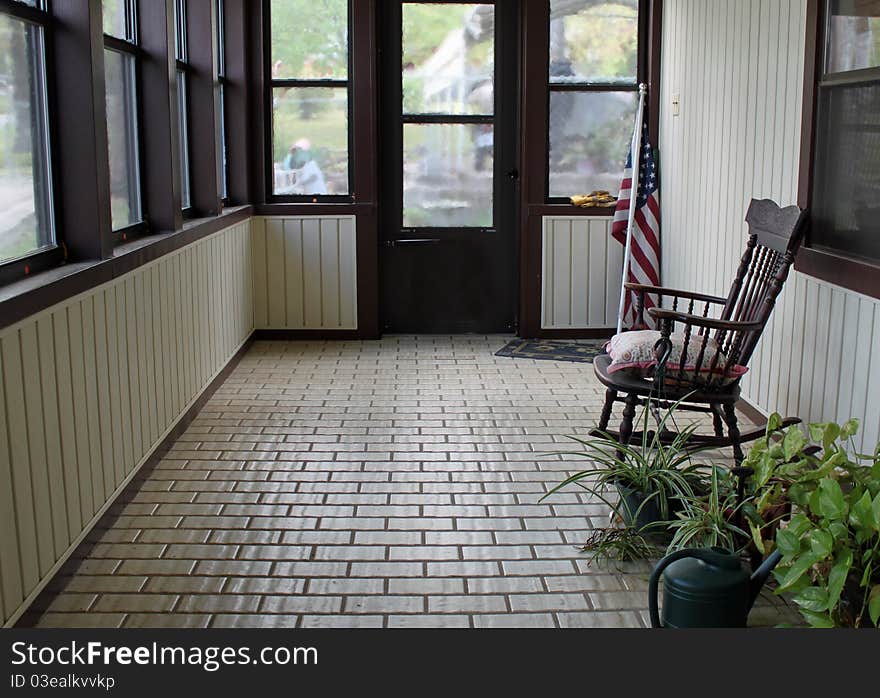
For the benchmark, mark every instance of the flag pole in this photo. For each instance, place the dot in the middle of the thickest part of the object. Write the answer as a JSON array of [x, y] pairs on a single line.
[[636, 153]]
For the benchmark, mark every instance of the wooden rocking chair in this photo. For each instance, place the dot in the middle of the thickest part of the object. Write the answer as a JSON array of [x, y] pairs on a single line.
[[710, 383]]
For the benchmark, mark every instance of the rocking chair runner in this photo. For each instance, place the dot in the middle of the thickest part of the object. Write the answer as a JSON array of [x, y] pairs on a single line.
[[710, 382]]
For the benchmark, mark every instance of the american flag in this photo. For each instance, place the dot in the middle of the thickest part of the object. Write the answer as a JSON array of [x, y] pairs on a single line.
[[644, 266]]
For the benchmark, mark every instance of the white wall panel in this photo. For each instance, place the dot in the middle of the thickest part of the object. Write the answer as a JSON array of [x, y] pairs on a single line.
[[305, 273], [89, 387], [738, 68], [582, 267]]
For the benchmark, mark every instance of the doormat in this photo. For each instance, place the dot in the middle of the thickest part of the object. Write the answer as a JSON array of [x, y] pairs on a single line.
[[577, 350]]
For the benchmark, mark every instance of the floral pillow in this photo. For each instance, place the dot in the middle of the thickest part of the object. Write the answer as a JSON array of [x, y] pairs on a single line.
[[634, 352]]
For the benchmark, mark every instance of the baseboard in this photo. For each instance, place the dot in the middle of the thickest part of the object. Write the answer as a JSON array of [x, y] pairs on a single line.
[[321, 335], [594, 333], [753, 413], [148, 462]]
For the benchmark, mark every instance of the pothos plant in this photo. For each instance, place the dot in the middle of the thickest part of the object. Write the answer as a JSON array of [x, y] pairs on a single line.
[[830, 546]]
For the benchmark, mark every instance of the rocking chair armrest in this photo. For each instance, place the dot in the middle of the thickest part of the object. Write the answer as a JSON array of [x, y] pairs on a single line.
[[661, 314], [663, 291]]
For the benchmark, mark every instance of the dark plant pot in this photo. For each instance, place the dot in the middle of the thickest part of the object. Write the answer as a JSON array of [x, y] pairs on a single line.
[[631, 500]]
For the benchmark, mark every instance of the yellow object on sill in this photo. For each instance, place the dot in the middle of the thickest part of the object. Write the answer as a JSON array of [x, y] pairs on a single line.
[[595, 199]]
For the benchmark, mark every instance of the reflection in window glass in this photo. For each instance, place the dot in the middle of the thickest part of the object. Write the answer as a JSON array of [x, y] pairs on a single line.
[[853, 35], [26, 224], [593, 42], [310, 137], [309, 39], [183, 125], [448, 175], [114, 18], [846, 199], [590, 134], [122, 138], [448, 59]]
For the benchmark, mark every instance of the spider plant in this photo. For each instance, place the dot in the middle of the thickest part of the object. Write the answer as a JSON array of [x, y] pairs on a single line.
[[710, 520], [652, 478]]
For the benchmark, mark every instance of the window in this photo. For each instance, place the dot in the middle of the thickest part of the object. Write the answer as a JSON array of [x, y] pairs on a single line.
[[843, 194], [26, 211], [123, 124], [221, 88], [181, 52], [593, 84], [309, 89]]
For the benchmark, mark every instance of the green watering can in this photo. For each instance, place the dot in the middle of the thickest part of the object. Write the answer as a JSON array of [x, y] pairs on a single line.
[[706, 588]]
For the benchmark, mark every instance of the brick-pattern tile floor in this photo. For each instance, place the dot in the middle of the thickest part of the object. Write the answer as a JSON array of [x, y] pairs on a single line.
[[393, 483]]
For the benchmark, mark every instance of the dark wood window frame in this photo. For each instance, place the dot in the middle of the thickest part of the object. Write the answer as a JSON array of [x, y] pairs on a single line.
[[75, 45], [53, 254], [222, 135], [587, 87], [333, 83], [131, 47], [834, 267], [535, 107]]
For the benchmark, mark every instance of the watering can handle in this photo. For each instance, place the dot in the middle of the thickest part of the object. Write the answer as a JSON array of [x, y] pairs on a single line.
[[653, 606]]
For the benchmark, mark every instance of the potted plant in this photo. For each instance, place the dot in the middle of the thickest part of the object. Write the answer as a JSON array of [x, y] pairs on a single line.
[[831, 546], [652, 480]]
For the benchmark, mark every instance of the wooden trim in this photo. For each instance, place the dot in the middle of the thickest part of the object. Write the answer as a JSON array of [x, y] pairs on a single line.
[[161, 137], [655, 50], [238, 115], [752, 413], [593, 333], [568, 210], [25, 298], [79, 113], [131, 486], [259, 57], [811, 58], [303, 335], [204, 108], [855, 275]]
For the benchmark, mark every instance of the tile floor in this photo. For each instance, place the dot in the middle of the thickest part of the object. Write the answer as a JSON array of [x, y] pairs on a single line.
[[340, 484]]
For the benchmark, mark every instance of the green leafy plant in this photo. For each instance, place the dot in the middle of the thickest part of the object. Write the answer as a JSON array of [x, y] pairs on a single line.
[[651, 479], [710, 520], [831, 546]]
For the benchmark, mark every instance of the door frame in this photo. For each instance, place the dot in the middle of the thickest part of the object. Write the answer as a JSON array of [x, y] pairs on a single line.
[[507, 169]]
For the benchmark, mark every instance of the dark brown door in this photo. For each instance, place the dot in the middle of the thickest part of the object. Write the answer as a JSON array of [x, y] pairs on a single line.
[[449, 173]]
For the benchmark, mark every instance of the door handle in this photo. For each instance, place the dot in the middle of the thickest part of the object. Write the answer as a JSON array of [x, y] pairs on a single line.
[[413, 241], [512, 175]]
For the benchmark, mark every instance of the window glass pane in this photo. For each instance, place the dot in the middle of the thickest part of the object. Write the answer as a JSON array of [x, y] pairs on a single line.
[[594, 41], [122, 135], [448, 175], [310, 136], [846, 209], [114, 18], [183, 124], [223, 166], [448, 59], [590, 134], [853, 35], [26, 224], [309, 39]]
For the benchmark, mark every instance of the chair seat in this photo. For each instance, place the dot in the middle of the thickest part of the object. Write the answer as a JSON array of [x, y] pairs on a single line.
[[625, 382]]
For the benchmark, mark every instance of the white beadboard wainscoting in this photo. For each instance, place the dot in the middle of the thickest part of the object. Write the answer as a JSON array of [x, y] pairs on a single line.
[[90, 386], [305, 272], [582, 268], [738, 68]]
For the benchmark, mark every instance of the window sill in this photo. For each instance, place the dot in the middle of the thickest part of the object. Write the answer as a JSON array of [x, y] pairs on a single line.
[[859, 276], [566, 210], [24, 298]]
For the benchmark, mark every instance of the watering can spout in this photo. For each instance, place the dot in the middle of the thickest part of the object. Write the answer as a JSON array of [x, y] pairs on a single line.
[[762, 574]]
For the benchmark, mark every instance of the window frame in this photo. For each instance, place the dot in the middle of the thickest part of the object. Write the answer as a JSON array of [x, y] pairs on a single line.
[[582, 87], [131, 47], [833, 266], [55, 253], [223, 139], [184, 70], [269, 136]]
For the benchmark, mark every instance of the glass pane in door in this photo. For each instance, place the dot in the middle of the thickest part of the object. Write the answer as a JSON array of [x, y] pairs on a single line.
[[448, 58], [448, 175]]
